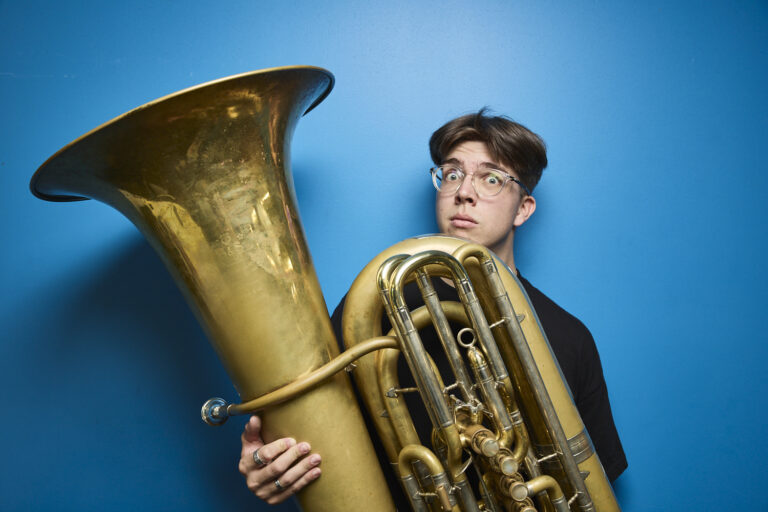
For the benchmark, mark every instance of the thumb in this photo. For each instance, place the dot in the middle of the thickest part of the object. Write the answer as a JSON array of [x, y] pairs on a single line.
[[252, 431]]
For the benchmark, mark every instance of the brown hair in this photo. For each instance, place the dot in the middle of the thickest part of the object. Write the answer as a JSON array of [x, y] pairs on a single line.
[[508, 142]]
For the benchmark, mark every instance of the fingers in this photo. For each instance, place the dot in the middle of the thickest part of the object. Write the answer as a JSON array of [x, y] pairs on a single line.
[[304, 472], [267, 452], [280, 456], [283, 450], [285, 461], [289, 464], [305, 480]]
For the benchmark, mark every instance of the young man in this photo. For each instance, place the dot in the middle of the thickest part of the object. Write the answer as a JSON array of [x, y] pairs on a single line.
[[487, 167]]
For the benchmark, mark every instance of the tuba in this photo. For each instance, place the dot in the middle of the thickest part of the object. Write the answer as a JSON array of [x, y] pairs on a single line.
[[204, 175]]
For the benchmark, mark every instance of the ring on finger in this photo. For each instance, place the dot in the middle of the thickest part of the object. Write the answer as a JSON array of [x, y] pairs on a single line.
[[260, 463], [279, 486]]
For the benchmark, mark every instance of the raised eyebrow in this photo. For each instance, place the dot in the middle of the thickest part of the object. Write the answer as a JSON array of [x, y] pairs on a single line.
[[492, 165], [483, 165]]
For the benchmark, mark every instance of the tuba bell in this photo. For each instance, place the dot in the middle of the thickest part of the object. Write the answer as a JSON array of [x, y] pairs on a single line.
[[204, 175]]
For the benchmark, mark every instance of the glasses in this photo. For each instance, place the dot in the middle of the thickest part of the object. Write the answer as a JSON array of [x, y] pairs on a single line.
[[487, 182]]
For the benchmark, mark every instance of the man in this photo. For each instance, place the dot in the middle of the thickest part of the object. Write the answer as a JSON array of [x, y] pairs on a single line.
[[487, 167]]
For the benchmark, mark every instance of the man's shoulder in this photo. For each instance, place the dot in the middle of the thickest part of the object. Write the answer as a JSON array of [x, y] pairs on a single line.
[[552, 316]]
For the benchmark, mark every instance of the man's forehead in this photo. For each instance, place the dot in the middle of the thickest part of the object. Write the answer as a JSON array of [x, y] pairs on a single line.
[[484, 164], [473, 153]]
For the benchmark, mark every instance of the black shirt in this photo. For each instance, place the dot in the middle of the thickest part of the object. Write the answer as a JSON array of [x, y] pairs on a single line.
[[576, 354]]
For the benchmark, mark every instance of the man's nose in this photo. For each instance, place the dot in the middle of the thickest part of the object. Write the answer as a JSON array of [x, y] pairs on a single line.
[[466, 191]]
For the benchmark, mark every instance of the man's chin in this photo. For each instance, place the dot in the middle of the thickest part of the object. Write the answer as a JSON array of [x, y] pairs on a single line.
[[459, 233]]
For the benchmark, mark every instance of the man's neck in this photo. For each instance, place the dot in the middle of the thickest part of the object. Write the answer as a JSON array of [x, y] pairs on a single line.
[[506, 253]]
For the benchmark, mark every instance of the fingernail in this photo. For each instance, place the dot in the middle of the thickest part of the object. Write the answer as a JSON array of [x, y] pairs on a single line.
[[304, 448], [315, 459], [289, 442], [315, 472]]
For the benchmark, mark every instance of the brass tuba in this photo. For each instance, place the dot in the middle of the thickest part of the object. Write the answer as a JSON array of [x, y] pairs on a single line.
[[204, 175]]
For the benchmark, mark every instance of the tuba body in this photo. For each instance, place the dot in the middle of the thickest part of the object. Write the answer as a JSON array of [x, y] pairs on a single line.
[[204, 174]]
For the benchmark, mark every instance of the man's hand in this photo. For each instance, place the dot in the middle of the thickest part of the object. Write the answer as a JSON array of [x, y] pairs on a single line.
[[282, 468]]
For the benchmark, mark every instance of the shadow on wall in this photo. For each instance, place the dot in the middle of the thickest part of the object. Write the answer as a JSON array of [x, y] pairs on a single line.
[[120, 336]]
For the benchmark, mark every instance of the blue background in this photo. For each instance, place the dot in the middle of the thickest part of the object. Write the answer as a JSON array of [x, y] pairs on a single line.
[[651, 222]]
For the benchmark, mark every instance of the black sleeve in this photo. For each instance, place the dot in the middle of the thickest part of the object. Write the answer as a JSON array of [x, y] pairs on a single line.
[[576, 353], [595, 409]]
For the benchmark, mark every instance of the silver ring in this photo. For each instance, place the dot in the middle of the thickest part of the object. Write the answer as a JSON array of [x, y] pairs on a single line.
[[260, 463], [279, 485]]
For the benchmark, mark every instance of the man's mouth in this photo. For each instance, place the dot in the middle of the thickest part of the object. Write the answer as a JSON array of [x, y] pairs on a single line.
[[463, 221]]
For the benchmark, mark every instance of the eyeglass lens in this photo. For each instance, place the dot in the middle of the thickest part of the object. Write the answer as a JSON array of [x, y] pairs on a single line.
[[487, 182]]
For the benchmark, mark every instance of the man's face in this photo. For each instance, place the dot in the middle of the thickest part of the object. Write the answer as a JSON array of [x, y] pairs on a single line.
[[489, 221]]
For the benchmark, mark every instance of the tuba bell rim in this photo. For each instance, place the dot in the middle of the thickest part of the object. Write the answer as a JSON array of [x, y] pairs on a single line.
[[36, 183]]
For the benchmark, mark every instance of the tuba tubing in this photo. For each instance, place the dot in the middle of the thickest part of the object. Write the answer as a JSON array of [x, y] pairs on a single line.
[[551, 417]]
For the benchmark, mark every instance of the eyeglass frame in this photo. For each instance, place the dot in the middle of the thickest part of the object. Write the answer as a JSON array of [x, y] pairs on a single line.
[[507, 178]]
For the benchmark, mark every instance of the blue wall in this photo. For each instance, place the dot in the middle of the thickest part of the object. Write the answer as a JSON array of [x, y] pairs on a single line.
[[651, 224]]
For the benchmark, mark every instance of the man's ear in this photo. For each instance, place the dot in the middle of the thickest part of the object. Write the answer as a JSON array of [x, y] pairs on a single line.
[[525, 210]]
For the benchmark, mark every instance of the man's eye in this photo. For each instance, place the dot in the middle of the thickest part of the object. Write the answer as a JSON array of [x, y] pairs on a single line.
[[493, 179], [451, 176]]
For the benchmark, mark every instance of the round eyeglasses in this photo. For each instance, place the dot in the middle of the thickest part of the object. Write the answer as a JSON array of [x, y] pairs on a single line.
[[487, 182]]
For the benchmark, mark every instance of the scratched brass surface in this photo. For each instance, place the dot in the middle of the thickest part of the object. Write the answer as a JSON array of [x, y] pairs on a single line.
[[204, 175]]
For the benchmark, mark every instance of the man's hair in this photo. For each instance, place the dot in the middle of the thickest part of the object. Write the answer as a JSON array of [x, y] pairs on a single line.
[[508, 142]]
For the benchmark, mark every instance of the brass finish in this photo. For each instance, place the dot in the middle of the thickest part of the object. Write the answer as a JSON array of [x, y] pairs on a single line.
[[545, 483], [416, 452], [492, 302], [480, 439], [204, 175]]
